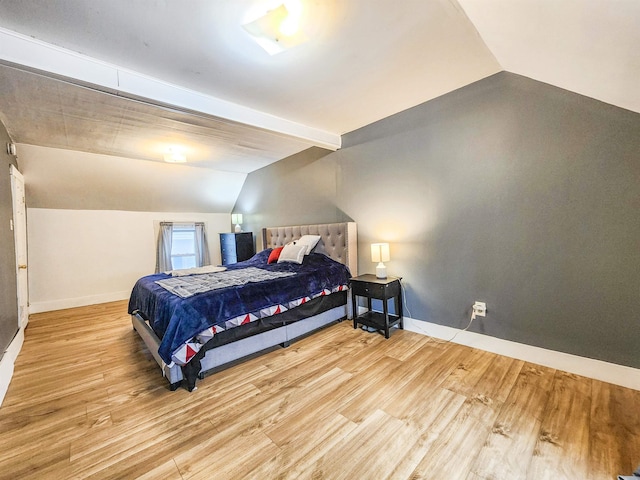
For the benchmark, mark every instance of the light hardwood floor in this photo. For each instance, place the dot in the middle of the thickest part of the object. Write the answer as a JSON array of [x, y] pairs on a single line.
[[87, 401]]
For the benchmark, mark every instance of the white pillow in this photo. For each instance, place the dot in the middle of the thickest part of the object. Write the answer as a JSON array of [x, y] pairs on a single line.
[[292, 253], [310, 241]]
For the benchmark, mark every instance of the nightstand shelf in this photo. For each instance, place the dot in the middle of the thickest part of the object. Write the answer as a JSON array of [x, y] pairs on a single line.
[[384, 289]]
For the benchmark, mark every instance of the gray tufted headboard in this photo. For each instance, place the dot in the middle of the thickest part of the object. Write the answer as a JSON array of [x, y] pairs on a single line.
[[338, 241]]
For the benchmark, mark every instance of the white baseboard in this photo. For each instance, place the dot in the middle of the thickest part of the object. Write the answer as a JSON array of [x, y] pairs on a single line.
[[588, 367], [7, 362], [47, 306]]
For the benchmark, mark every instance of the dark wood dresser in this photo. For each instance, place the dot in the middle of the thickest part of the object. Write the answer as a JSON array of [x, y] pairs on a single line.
[[236, 247]]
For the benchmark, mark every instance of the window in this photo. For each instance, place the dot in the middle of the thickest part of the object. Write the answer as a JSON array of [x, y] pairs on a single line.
[[181, 245]]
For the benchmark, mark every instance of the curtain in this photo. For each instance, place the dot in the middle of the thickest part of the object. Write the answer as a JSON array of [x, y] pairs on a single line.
[[163, 252], [201, 246], [165, 243]]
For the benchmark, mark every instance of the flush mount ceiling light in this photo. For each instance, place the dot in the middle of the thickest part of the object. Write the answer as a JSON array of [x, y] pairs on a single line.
[[173, 155], [279, 29]]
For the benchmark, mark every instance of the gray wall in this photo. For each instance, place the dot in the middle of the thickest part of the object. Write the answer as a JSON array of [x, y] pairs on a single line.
[[8, 292], [509, 191], [300, 188]]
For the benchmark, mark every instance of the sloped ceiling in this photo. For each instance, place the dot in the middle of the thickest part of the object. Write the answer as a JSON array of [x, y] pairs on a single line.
[[364, 60], [591, 47]]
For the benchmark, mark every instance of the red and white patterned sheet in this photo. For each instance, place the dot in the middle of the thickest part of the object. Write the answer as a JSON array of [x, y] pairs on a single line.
[[189, 349]]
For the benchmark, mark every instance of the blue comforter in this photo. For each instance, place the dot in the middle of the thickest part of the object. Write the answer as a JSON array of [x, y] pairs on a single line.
[[177, 320]]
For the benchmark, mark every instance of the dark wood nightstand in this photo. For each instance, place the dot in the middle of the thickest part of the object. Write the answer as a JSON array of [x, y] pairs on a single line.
[[384, 289], [236, 247]]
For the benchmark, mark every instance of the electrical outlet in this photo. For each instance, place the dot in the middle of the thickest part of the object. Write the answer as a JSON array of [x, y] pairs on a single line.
[[479, 309]]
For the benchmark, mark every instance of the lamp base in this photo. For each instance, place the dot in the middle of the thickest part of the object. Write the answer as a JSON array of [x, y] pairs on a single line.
[[381, 270], [238, 229]]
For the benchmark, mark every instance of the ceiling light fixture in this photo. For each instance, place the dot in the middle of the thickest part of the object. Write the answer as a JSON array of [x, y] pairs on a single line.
[[174, 156], [279, 29]]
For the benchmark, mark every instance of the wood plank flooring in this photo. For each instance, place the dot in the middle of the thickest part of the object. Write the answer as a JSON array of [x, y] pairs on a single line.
[[88, 401]]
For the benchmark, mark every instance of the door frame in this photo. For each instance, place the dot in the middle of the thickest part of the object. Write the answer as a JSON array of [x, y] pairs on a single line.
[[20, 237], [7, 360]]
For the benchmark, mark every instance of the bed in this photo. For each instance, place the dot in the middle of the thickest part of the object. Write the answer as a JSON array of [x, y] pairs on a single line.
[[191, 335]]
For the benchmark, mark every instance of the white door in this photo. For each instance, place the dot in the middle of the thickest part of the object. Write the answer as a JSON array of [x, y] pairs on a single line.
[[20, 235]]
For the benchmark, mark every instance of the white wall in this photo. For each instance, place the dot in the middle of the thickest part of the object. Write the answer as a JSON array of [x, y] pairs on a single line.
[[64, 179], [83, 257]]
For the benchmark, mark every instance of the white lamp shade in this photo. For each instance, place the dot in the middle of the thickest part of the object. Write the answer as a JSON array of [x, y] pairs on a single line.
[[236, 218], [380, 252]]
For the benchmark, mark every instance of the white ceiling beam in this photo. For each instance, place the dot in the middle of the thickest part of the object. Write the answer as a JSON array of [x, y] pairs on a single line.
[[20, 50]]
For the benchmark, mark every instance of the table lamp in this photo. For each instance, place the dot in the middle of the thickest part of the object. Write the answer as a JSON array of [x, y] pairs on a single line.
[[237, 219], [380, 254]]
